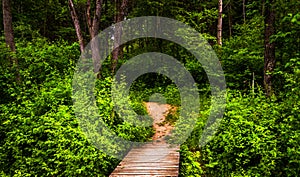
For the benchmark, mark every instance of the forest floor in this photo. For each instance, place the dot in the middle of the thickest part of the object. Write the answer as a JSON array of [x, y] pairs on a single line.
[[159, 113]]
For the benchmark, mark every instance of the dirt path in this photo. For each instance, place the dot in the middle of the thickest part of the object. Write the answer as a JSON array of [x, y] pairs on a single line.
[[156, 158], [159, 112]]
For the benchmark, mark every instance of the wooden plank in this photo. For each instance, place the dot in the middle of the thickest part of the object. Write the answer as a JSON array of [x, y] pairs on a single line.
[[146, 172], [152, 159]]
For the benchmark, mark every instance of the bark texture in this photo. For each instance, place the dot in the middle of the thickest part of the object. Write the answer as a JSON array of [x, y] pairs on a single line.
[[8, 28], [118, 33], [9, 35], [77, 25], [219, 34], [269, 55]]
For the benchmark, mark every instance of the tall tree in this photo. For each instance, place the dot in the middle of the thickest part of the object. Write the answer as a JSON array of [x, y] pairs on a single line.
[[8, 28], [269, 54], [94, 23], [77, 25], [9, 33], [244, 11], [93, 26], [230, 18], [219, 34], [120, 15]]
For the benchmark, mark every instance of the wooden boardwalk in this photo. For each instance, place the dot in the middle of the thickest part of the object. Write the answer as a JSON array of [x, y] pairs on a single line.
[[156, 158], [151, 159]]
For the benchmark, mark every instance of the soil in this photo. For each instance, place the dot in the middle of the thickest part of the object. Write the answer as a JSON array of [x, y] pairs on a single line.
[[159, 112]]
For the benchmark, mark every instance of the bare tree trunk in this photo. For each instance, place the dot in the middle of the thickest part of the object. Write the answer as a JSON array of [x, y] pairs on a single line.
[[94, 23], [244, 11], [93, 26], [96, 19], [88, 16], [230, 19], [269, 55], [9, 34], [77, 25], [8, 28], [94, 32], [219, 34], [117, 34]]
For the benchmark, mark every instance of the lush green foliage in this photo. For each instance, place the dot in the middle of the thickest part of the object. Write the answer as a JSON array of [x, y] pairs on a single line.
[[258, 136], [253, 139], [242, 55], [39, 132]]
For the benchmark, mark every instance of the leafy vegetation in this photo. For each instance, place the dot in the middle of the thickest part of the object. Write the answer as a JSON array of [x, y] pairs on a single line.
[[259, 135]]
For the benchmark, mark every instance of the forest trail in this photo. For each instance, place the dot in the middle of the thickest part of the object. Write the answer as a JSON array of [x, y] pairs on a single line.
[[158, 112], [156, 158]]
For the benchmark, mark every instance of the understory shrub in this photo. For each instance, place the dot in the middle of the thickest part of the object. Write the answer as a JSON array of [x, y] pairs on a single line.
[[39, 132], [257, 137]]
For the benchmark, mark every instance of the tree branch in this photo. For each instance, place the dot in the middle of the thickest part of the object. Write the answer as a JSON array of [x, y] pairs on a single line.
[[96, 20], [88, 15], [76, 24]]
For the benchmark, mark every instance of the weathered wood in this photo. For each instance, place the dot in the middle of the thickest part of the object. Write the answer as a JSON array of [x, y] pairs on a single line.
[[151, 159], [155, 158]]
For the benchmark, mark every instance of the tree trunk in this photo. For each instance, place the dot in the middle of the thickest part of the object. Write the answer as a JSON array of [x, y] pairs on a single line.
[[77, 25], [93, 26], [219, 34], [244, 11], [96, 19], [269, 55], [8, 28], [9, 34], [230, 19], [94, 23], [118, 33]]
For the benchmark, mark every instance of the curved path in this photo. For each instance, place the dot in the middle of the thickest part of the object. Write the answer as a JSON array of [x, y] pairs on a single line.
[[156, 158]]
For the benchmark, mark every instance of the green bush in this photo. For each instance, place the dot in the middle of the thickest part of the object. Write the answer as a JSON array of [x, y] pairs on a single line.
[[41, 137], [190, 162], [39, 133], [257, 137], [242, 55], [40, 60]]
